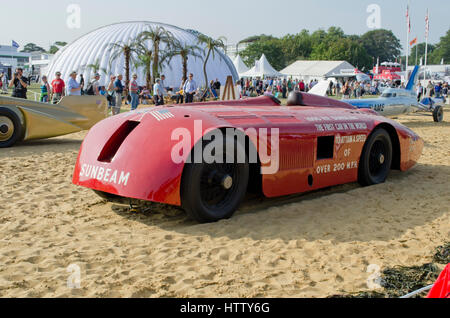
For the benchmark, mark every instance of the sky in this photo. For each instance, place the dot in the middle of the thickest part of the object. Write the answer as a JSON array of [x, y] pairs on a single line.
[[45, 21]]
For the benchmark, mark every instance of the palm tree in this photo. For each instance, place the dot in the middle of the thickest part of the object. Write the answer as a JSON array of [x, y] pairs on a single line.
[[144, 59], [157, 36], [212, 46], [126, 49], [184, 51], [95, 67]]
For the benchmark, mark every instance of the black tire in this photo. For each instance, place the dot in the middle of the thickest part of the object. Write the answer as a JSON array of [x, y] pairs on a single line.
[[438, 114], [11, 129], [206, 192], [376, 159]]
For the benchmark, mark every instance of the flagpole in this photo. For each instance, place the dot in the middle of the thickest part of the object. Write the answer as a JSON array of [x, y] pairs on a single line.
[[416, 51], [408, 25], [426, 44]]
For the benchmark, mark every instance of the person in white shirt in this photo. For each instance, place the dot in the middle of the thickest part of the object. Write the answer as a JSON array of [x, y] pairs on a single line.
[[4, 79], [190, 88], [158, 96]]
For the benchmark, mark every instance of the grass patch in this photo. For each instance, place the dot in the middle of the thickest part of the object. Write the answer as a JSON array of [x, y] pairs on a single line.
[[442, 255]]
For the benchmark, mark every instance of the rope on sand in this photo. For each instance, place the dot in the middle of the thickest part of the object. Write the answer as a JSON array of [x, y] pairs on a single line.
[[418, 292]]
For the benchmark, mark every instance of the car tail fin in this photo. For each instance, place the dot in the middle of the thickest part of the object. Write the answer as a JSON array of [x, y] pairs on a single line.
[[413, 79]]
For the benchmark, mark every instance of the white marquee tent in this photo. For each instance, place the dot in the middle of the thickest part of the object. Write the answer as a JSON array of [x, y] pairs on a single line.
[[240, 66], [310, 70], [262, 68]]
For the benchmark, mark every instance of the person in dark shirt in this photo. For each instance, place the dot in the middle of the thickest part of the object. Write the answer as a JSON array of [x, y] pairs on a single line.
[[217, 86], [19, 82], [82, 84], [119, 88]]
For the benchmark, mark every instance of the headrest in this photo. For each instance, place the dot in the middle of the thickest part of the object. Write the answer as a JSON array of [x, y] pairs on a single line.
[[295, 99]]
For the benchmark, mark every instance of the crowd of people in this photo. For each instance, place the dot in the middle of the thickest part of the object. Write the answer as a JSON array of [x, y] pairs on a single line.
[[114, 92], [280, 88], [189, 91], [437, 90]]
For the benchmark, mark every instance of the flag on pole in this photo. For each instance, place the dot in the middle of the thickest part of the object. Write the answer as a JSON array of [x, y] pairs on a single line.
[[427, 25], [413, 42], [15, 44], [408, 19], [408, 31]]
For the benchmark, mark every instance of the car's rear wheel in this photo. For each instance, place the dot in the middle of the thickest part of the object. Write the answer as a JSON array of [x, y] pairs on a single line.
[[376, 159], [438, 114], [214, 191], [11, 129]]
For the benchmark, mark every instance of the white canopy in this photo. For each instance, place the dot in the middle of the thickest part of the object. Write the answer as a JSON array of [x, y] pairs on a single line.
[[240, 66], [308, 70], [262, 68]]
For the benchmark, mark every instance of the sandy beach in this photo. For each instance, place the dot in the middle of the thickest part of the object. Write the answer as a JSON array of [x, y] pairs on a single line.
[[312, 245]]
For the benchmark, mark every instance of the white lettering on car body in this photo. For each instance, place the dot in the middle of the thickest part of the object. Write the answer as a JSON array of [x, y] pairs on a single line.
[[105, 175]]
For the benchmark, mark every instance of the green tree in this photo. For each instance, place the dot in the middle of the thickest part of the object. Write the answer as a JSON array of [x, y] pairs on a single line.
[[144, 59], [157, 36], [272, 48], [95, 67], [53, 49], [184, 51], [442, 50], [420, 52], [381, 44], [128, 51], [212, 46], [296, 46], [343, 50], [256, 38], [56, 46], [31, 47]]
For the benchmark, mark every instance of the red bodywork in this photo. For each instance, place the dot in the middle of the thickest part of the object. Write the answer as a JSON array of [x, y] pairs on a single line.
[[129, 155]]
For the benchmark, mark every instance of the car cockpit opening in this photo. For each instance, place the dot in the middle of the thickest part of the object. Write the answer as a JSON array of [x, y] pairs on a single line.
[[113, 144]]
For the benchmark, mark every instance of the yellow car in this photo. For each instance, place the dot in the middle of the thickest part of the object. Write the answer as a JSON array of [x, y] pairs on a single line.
[[22, 119]]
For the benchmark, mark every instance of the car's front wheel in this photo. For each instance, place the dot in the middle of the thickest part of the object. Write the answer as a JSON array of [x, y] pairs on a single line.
[[214, 191], [11, 129]]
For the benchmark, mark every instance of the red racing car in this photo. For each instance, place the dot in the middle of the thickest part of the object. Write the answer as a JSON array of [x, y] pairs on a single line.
[[205, 157]]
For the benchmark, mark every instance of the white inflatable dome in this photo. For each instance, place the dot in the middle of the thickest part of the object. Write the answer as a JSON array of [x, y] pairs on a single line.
[[93, 47]]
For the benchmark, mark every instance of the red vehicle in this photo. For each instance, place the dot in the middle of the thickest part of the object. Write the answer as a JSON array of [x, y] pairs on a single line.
[[157, 154]]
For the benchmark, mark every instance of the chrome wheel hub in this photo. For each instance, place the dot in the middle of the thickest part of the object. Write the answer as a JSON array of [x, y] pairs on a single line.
[[6, 128], [227, 182]]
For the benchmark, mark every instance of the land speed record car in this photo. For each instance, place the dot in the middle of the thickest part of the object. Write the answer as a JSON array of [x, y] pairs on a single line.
[[22, 120], [204, 157]]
